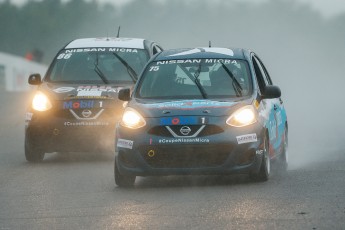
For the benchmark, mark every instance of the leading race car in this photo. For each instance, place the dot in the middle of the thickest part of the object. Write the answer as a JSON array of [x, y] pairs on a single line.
[[201, 111], [75, 107]]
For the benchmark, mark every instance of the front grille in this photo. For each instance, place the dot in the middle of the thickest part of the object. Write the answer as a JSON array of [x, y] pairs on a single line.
[[207, 131], [211, 130], [161, 131], [191, 156], [177, 129]]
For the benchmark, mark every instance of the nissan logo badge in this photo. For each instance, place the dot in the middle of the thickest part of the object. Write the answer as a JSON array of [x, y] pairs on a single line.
[[185, 130], [86, 113]]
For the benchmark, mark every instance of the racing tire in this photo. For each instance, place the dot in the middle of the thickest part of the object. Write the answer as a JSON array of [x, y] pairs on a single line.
[[32, 154], [265, 168], [123, 180]]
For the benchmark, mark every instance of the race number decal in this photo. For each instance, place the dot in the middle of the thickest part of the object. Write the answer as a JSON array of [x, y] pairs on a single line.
[[154, 68], [64, 56]]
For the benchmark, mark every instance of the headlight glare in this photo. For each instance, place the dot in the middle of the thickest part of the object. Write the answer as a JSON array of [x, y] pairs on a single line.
[[242, 117], [41, 102], [132, 119]]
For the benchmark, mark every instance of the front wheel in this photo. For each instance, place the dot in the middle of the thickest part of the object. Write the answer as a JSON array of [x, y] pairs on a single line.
[[123, 180], [31, 153], [265, 168]]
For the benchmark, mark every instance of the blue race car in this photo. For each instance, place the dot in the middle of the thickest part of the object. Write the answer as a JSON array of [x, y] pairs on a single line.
[[201, 111]]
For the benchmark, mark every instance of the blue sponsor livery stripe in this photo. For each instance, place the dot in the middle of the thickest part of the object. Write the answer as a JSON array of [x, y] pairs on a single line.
[[190, 104], [179, 120]]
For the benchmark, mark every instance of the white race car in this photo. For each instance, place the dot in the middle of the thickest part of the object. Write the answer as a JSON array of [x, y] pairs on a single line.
[[75, 107]]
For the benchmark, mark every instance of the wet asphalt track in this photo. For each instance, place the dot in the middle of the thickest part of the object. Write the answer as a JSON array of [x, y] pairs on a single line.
[[77, 191]]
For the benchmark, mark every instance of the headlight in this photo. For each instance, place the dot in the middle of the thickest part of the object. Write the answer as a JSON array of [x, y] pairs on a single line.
[[242, 117], [41, 102], [132, 119]]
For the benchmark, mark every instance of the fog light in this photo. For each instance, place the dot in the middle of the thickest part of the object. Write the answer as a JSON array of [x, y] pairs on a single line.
[[151, 153], [56, 132]]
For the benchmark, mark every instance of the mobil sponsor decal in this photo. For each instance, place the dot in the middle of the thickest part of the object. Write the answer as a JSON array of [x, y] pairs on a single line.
[[78, 104]]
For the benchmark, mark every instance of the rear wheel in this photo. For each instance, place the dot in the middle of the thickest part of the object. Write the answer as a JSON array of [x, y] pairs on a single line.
[[265, 168], [123, 180], [31, 153]]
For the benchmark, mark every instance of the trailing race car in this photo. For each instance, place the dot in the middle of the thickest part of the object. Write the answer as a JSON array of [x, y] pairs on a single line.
[[201, 111], [75, 107]]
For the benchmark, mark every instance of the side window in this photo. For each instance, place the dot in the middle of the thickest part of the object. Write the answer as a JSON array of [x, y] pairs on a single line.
[[265, 72], [156, 49], [259, 74]]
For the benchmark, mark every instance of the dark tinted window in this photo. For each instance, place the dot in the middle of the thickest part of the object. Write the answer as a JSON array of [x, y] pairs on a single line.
[[156, 49], [259, 75], [176, 79], [265, 72], [87, 64]]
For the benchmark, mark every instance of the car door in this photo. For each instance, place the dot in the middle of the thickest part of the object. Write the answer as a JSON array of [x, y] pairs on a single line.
[[274, 123]]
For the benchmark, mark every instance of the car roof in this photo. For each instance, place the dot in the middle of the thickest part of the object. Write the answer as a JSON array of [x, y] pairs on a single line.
[[202, 52], [135, 43]]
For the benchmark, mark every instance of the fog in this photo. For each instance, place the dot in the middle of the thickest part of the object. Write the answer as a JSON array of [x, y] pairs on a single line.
[[302, 50]]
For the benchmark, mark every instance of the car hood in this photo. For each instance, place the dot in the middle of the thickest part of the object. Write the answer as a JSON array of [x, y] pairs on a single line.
[[187, 107], [68, 91]]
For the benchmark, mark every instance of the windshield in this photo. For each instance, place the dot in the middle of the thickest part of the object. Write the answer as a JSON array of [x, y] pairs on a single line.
[[195, 78], [98, 65]]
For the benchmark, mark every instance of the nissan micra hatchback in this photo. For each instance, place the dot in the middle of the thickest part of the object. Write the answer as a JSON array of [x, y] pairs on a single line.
[[201, 111], [75, 106]]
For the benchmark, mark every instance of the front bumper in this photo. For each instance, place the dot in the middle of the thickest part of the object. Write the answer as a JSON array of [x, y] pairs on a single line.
[[220, 153], [52, 134]]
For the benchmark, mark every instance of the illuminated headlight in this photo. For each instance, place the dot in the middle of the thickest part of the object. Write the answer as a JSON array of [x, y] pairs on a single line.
[[132, 119], [41, 102], [242, 117]]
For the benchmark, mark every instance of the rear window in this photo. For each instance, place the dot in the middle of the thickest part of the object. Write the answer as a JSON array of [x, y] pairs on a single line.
[[195, 78], [92, 65]]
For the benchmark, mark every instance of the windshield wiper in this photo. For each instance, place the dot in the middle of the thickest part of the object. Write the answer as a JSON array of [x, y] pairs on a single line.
[[101, 75], [130, 70], [195, 78], [235, 83], [197, 82], [99, 72]]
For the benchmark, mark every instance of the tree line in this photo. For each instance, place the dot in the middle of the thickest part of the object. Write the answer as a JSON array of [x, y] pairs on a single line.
[[276, 28]]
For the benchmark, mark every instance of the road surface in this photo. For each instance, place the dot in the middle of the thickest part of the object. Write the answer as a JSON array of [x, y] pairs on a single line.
[[77, 191]]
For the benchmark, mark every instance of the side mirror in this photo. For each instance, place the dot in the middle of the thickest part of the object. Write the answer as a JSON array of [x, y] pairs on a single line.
[[271, 91], [124, 94], [35, 79]]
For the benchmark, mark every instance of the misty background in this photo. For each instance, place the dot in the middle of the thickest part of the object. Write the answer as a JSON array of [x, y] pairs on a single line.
[[303, 50]]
